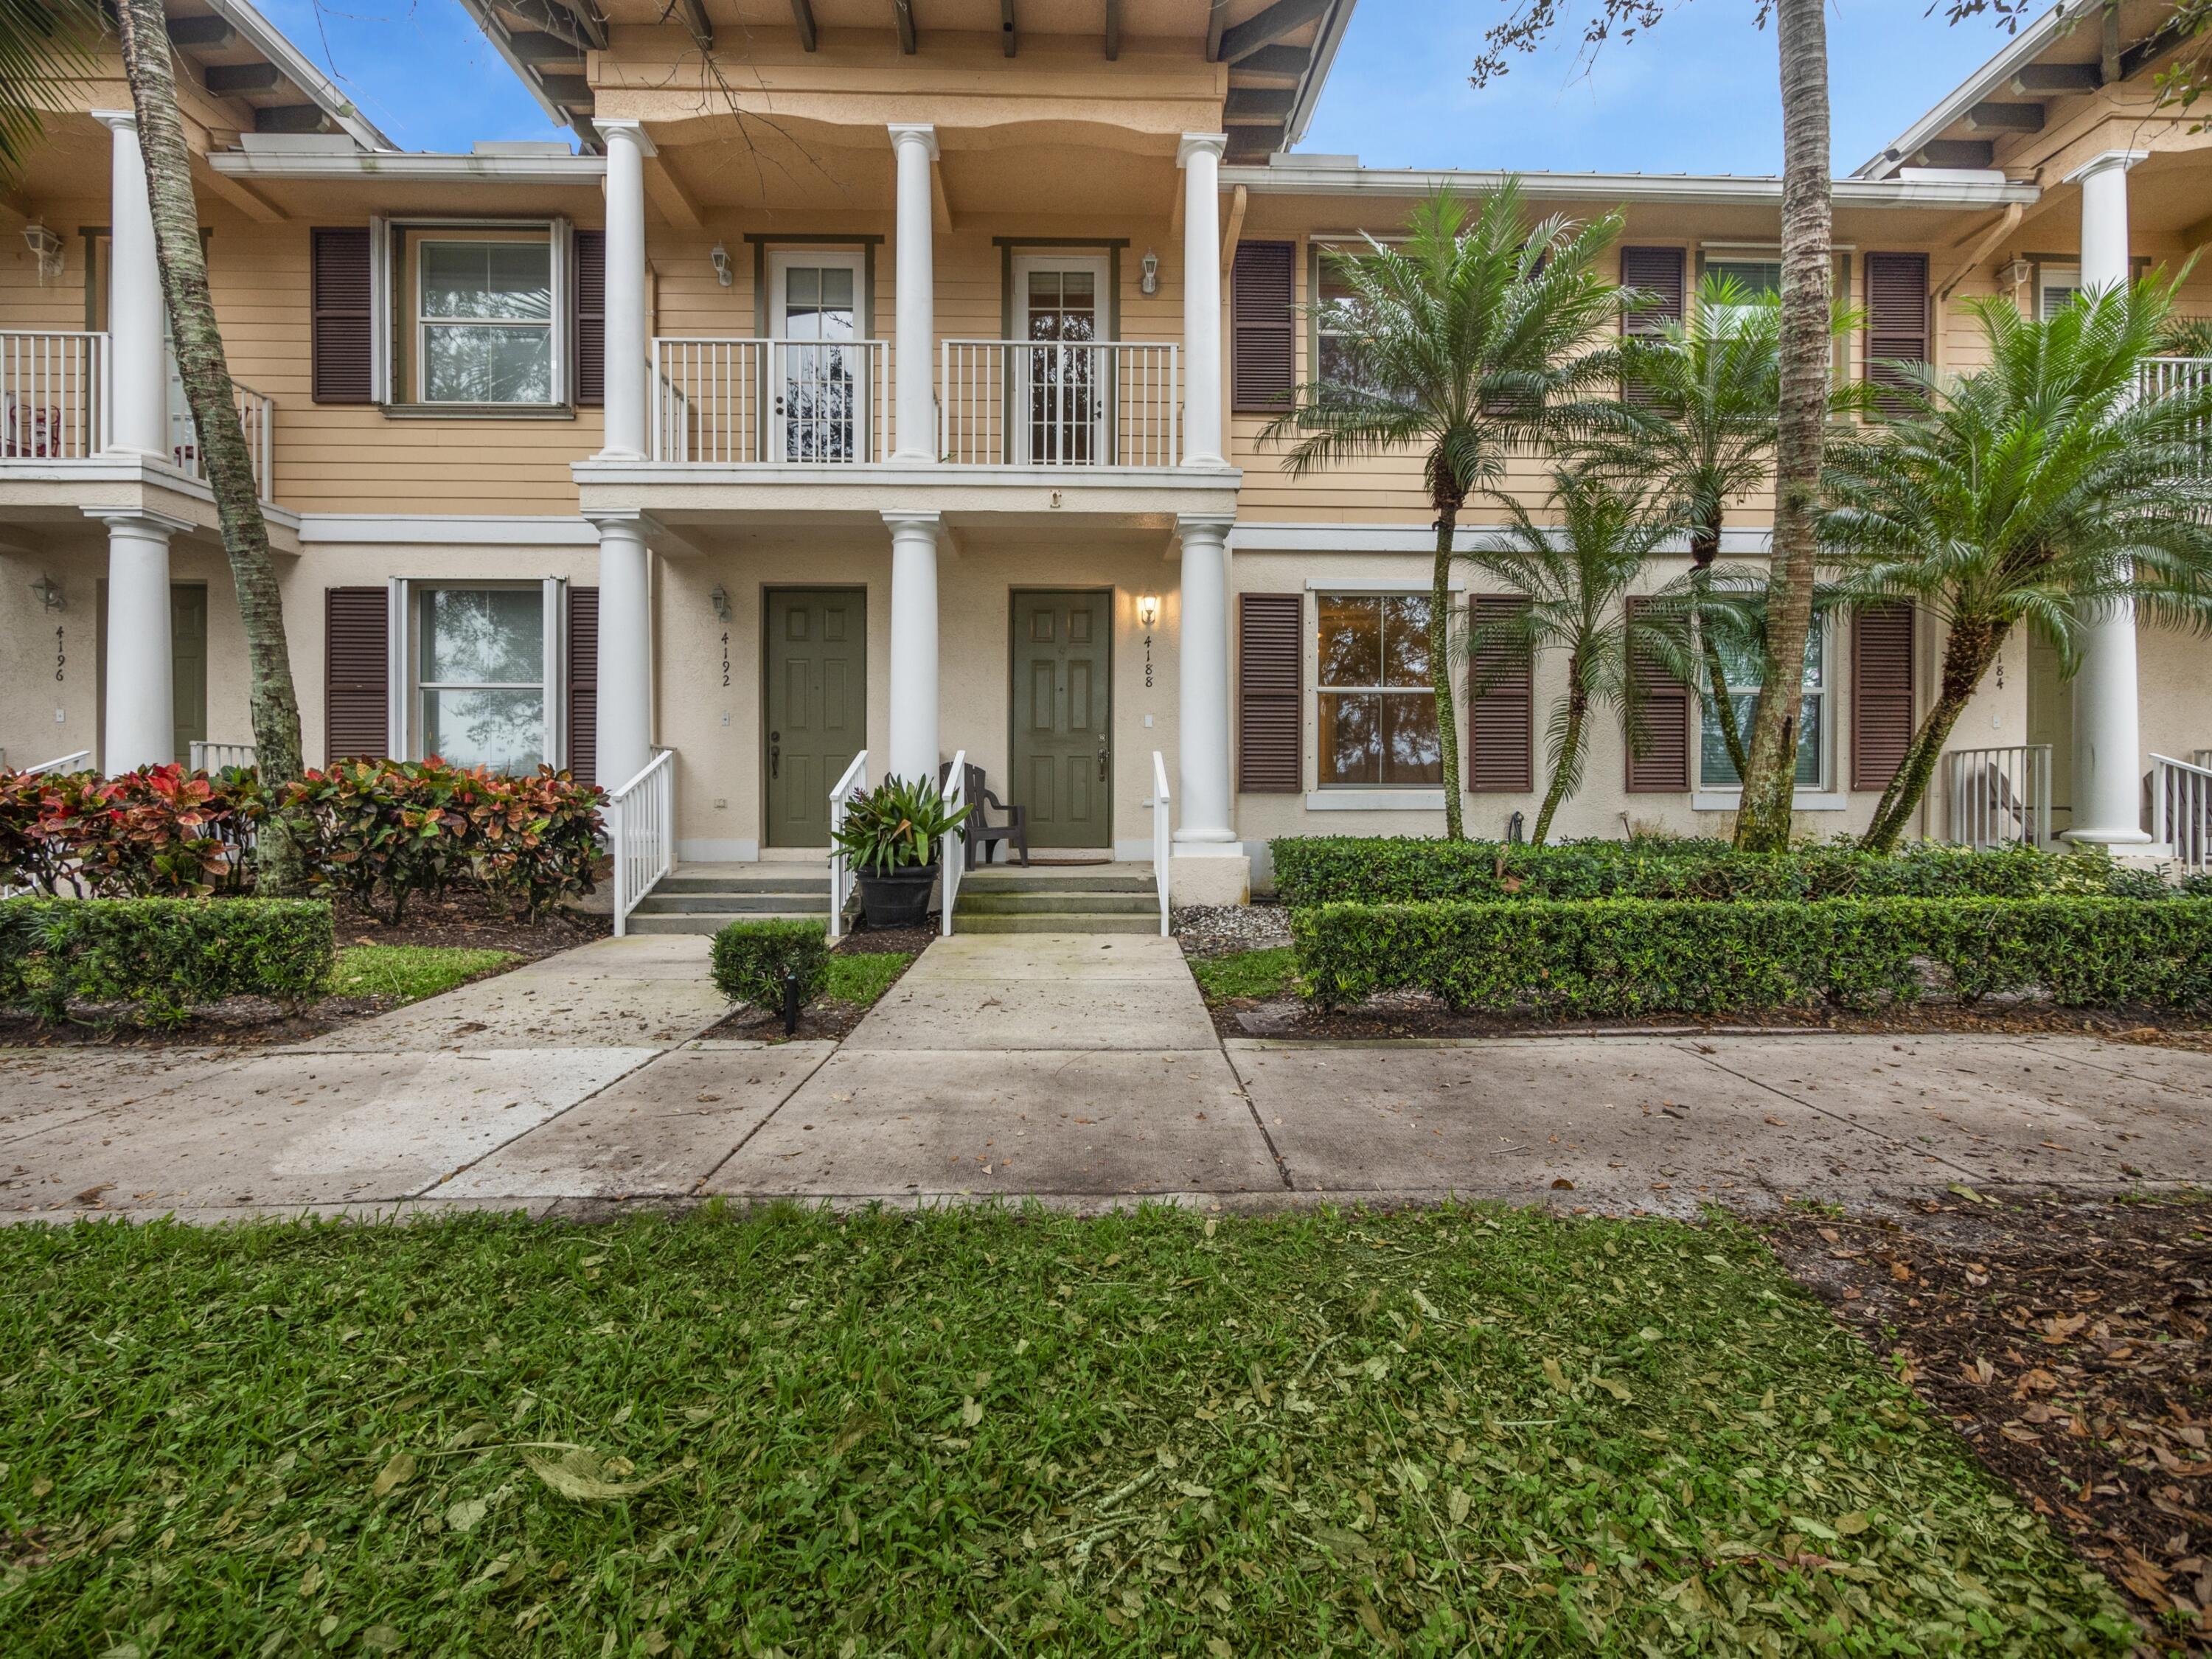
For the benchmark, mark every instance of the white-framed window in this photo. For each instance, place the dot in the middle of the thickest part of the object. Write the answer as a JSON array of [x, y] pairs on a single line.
[[1741, 669], [472, 313], [2055, 289], [485, 676], [1376, 707]]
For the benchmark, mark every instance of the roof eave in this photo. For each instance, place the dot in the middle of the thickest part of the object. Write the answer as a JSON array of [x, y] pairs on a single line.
[[2022, 48], [293, 64], [1711, 190]]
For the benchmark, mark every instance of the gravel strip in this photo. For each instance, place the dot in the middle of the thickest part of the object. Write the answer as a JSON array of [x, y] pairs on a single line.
[[1215, 930]]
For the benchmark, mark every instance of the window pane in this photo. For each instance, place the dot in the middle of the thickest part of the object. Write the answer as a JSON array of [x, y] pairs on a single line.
[[478, 363], [510, 280], [1351, 640], [1405, 642], [1809, 744], [1411, 752], [502, 730], [1716, 771], [1754, 277], [1351, 743], [479, 635]]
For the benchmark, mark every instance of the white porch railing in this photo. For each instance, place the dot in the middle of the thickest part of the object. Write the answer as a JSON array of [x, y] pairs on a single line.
[[1998, 797], [641, 819], [2181, 809], [1162, 837], [79, 762], [954, 862], [53, 396], [257, 413], [754, 403], [1059, 403], [214, 757], [854, 782], [2158, 376]]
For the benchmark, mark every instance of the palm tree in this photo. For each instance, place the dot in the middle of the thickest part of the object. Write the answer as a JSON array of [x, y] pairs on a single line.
[[1701, 418], [205, 373], [2039, 490], [1576, 577], [43, 43], [1458, 342]]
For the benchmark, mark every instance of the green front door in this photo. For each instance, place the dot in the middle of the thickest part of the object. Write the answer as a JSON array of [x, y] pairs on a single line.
[[188, 661], [1062, 767], [2051, 719], [815, 665]]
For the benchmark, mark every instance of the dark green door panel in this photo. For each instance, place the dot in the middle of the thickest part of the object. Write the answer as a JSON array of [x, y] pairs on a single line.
[[1062, 764], [188, 659], [815, 686]]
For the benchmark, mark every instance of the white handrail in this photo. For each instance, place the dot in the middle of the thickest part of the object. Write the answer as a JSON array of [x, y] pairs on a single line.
[[854, 782], [956, 839], [1059, 403], [1998, 797], [2181, 809], [53, 395], [743, 402], [641, 818], [1162, 836], [214, 757], [60, 763]]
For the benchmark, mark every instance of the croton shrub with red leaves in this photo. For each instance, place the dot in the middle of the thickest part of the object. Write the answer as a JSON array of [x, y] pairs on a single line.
[[160, 832]]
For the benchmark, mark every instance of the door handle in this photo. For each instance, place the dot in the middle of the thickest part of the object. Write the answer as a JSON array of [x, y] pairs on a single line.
[[775, 754], [1102, 764]]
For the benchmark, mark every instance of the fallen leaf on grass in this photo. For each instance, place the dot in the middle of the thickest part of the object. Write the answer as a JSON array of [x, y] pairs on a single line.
[[582, 1474], [394, 1474]]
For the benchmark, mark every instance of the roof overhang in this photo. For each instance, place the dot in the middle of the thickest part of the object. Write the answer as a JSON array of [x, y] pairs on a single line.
[[265, 38], [1292, 178], [412, 167]]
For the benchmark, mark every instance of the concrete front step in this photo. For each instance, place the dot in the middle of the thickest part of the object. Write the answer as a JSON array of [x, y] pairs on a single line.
[[697, 921], [999, 902], [748, 901], [1076, 881], [771, 880], [1060, 922]]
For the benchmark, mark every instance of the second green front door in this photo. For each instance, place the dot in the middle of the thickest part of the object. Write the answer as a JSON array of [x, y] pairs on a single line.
[[815, 665], [1062, 767]]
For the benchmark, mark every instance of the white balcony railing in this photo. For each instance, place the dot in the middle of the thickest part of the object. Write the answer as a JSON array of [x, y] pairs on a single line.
[[853, 785], [641, 820], [53, 396], [775, 402], [2181, 809], [257, 413], [2158, 376], [953, 861], [1162, 838], [214, 757], [1059, 403], [1998, 797]]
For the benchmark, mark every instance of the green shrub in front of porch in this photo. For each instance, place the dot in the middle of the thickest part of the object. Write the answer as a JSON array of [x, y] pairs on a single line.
[[1612, 957], [749, 960], [1313, 870], [163, 957]]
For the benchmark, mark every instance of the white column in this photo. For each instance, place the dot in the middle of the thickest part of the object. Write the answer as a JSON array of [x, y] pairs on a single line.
[[914, 751], [1199, 158], [2108, 739], [916, 343], [627, 346], [137, 353], [1202, 718], [141, 726], [625, 690]]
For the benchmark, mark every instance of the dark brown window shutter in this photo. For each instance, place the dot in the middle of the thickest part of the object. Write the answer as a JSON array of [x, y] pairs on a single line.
[[1262, 368], [1501, 748], [1897, 319], [584, 685], [591, 321], [357, 674], [1270, 693], [339, 282], [1659, 272], [1882, 713], [1663, 767]]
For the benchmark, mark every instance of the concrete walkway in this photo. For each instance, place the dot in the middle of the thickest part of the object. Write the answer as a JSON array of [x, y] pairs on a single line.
[[1080, 1070]]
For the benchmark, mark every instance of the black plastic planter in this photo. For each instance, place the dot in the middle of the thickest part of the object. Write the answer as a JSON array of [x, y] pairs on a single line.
[[899, 898]]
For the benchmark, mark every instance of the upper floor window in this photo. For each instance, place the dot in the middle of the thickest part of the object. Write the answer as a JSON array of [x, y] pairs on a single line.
[[485, 321], [1758, 280], [1378, 706], [2055, 289], [1740, 665]]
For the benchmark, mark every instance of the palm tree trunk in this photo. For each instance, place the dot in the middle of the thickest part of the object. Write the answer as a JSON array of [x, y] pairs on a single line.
[[1966, 657], [1705, 549], [1570, 748], [1440, 672], [206, 377], [1770, 777]]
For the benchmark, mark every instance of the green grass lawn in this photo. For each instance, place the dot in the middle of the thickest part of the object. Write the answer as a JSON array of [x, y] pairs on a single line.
[[980, 1433], [1270, 972], [860, 977], [411, 972]]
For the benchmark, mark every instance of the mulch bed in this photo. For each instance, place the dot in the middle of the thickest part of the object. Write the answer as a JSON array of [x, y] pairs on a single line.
[[825, 1018], [473, 921], [2066, 1342]]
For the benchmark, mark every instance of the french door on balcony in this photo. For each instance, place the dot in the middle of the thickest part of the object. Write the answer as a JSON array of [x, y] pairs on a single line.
[[817, 375], [1060, 395]]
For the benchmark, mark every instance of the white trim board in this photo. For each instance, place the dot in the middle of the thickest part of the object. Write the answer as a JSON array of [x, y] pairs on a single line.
[[449, 529], [1746, 540], [1375, 800]]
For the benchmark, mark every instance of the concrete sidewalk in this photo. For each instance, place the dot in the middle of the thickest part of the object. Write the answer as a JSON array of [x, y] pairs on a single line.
[[1081, 1070]]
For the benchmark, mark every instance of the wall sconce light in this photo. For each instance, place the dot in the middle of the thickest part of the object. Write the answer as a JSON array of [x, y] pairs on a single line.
[[721, 604], [1150, 283], [721, 255], [1148, 610], [2015, 273], [46, 247], [49, 594]]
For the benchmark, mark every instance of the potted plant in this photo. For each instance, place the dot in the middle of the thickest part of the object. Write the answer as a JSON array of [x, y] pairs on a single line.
[[891, 837]]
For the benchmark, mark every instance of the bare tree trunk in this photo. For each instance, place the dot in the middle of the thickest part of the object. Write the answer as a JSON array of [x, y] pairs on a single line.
[[1769, 778], [1440, 672], [1966, 657], [1705, 549], [206, 377], [1571, 745]]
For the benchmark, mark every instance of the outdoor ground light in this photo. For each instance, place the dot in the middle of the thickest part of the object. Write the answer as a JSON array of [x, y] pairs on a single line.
[[1148, 609]]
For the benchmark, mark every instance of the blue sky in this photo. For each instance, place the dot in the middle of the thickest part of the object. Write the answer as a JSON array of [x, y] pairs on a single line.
[[1698, 94]]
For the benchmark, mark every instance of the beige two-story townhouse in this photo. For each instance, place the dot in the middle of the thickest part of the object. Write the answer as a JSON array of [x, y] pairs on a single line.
[[877, 381]]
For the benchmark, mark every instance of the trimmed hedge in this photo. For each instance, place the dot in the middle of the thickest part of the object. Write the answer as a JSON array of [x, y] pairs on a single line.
[[166, 957], [1632, 957], [1405, 870], [750, 958]]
